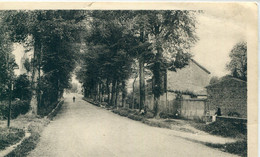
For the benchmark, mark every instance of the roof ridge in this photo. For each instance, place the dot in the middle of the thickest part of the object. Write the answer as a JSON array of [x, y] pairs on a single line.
[[203, 68]]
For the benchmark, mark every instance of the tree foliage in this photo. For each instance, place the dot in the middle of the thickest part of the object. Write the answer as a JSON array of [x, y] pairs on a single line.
[[113, 41], [238, 64], [116, 39], [213, 80], [54, 36], [22, 88], [7, 61], [108, 56]]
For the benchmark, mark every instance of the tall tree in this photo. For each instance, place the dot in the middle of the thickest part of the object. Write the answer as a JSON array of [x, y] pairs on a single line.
[[51, 34], [172, 33], [109, 29], [7, 61], [238, 64]]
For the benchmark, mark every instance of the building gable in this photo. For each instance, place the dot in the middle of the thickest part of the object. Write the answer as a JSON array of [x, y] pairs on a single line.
[[192, 78]]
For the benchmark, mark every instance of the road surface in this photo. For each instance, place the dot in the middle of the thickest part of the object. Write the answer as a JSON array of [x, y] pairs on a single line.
[[84, 130]]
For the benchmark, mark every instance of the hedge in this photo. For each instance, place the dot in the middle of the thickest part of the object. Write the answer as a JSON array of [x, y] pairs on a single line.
[[17, 107]]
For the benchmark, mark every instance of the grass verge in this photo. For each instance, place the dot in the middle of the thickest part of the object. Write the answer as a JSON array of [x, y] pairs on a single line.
[[224, 129], [10, 136], [238, 148], [227, 129], [35, 126]]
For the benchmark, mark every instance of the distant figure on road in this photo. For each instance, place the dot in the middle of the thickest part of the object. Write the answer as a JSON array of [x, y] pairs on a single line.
[[74, 99]]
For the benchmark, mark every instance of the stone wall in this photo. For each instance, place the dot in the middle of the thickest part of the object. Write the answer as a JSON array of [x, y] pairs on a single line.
[[230, 96]]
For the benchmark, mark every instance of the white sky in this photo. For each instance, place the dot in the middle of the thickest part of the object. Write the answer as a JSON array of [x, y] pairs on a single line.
[[218, 32]]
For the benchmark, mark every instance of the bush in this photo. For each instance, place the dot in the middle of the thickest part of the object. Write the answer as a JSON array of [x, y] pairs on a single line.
[[9, 136], [149, 114], [115, 111], [104, 104], [166, 115], [197, 119], [226, 129], [123, 113], [239, 147], [17, 107], [22, 88], [135, 117]]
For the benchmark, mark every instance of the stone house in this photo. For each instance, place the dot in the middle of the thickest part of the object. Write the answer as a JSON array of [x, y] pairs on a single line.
[[192, 79], [230, 95], [189, 81]]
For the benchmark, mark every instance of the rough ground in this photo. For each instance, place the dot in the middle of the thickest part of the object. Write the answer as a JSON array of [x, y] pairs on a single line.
[[82, 129]]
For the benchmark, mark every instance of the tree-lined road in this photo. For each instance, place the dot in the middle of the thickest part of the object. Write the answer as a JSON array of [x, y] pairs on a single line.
[[82, 129]]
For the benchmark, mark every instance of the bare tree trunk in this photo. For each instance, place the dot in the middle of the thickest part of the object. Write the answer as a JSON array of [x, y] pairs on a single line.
[[141, 84], [133, 96], [99, 92], [96, 92], [112, 103], [34, 102], [157, 91], [166, 90], [116, 97], [123, 93], [108, 91], [156, 106], [39, 76], [102, 92]]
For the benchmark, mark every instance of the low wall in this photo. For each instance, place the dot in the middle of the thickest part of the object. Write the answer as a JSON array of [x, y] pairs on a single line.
[[231, 119]]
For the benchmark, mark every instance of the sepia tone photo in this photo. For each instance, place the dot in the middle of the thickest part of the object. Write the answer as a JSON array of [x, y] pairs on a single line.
[[128, 79]]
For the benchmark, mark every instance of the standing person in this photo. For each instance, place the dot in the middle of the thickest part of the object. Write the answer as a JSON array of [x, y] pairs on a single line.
[[74, 98], [218, 113]]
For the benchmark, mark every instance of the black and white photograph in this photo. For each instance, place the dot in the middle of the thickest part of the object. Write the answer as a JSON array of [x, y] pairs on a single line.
[[82, 79]]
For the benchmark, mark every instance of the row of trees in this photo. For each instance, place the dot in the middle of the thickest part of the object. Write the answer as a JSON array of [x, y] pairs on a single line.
[[53, 36], [110, 45], [117, 40]]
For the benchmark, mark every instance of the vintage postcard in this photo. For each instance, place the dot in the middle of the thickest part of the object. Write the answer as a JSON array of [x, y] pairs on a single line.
[[128, 79]]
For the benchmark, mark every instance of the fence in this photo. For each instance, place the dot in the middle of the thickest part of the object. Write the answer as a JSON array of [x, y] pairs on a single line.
[[189, 108], [194, 109], [169, 107]]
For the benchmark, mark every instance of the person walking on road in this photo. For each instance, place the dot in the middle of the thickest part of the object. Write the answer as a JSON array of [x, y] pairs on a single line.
[[74, 98]]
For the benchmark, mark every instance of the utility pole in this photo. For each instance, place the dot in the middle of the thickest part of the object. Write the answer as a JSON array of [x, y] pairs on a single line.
[[10, 86], [10, 102]]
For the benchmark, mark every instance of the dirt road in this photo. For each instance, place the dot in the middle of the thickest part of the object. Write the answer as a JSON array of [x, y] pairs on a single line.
[[84, 130]]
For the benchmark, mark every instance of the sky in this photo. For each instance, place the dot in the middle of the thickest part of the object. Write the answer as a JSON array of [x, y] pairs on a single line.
[[218, 31]]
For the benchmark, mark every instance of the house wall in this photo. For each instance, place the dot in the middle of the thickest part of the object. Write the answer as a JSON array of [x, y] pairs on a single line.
[[189, 78], [230, 96]]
